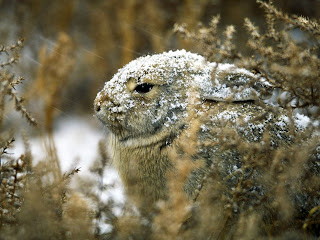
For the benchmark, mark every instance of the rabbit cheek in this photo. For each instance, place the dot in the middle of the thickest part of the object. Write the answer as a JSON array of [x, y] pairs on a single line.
[[140, 121]]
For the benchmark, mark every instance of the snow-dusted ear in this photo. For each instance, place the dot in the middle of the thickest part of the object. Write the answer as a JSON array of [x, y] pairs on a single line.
[[229, 83]]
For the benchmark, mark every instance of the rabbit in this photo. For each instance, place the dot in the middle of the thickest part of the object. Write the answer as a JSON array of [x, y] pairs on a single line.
[[147, 107]]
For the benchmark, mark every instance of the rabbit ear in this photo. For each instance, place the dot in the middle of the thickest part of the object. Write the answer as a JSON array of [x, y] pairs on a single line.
[[229, 83]]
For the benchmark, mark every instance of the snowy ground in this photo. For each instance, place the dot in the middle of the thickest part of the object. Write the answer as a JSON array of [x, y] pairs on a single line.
[[76, 141]]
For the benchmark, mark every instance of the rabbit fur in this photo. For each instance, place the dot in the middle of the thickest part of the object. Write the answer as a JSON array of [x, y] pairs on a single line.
[[147, 104]]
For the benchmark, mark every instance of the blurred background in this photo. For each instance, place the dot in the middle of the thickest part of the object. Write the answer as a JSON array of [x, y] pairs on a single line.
[[72, 47]]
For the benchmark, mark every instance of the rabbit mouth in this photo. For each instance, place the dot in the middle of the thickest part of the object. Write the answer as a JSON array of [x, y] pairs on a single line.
[[113, 123]]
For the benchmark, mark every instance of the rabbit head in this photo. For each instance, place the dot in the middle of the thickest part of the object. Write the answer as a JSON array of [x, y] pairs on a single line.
[[151, 93]]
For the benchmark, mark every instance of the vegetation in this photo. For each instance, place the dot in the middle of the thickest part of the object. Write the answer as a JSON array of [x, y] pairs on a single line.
[[36, 200]]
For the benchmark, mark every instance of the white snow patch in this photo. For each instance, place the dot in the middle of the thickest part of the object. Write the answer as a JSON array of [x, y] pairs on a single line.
[[227, 116], [302, 121], [283, 121], [76, 143]]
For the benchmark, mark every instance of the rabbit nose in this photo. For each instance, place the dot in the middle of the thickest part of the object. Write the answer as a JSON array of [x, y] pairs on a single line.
[[100, 99], [97, 104], [97, 108], [104, 101]]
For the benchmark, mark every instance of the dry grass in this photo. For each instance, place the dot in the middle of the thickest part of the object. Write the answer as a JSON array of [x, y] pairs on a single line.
[[289, 174], [35, 200]]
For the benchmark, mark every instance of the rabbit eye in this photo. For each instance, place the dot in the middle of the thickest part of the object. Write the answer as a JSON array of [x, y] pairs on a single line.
[[143, 88]]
